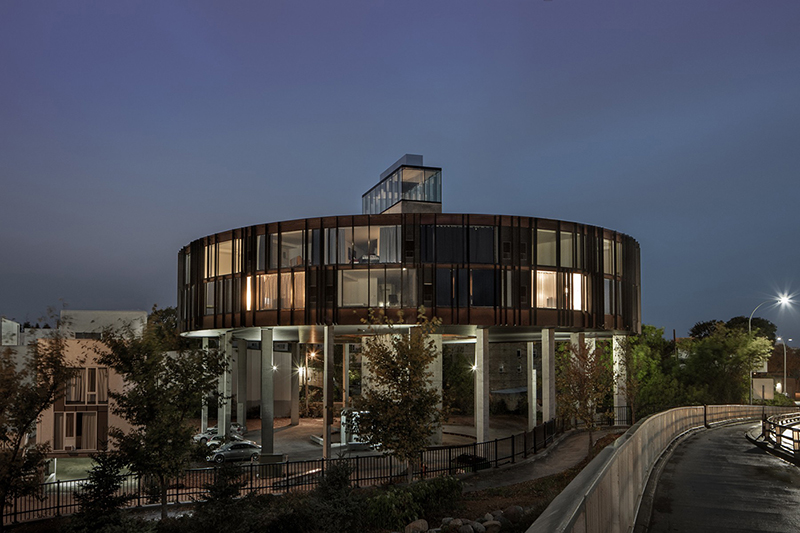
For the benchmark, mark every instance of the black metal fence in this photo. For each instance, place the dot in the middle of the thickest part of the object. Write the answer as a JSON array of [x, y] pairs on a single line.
[[58, 498]]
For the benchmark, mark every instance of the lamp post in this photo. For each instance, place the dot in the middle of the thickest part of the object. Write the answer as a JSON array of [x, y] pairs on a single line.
[[782, 300], [784, 366]]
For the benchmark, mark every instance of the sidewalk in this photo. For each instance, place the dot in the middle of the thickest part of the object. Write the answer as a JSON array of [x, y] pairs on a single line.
[[569, 450]]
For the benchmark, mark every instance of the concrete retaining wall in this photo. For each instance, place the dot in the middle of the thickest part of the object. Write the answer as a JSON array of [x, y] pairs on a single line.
[[605, 496]]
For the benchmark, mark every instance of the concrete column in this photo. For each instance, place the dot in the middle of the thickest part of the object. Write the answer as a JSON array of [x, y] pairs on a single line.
[[617, 348], [224, 387], [532, 396], [548, 374], [436, 369], [267, 393], [327, 393], [241, 383], [577, 339], [345, 376], [295, 384], [204, 409], [482, 385]]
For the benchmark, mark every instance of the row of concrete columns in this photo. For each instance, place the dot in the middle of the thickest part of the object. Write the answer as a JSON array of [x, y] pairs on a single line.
[[481, 370]]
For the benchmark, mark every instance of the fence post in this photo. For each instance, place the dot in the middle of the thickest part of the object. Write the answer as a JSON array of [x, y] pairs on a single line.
[[513, 450], [705, 415], [58, 497], [525, 445], [449, 460], [495, 453], [15, 511]]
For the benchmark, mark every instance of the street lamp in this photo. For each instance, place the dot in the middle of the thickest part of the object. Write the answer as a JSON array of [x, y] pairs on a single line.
[[785, 385], [782, 301]]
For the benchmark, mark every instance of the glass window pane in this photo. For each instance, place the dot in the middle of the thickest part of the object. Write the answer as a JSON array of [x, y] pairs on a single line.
[[481, 244], [410, 288], [210, 262], [449, 244], [261, 258], [314, 253], [482, 290], [566, 249], [102, 385], [386, 244], [608, 256], [361, 245], [286, 290], [267, 286], [377, 288], [618, 247], [608, 296], [291, 249], [546, 247], [392, 288], [462, 286], [426, 232], [577, 292], [209, 298], [444, 287], [330, 246], [345, 246], [300, 290], [353, 288], [546, 289], [274, 253]]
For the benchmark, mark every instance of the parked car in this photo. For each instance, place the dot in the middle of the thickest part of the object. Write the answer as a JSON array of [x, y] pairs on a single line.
[[235, 451], [218, 440], [207, 435]]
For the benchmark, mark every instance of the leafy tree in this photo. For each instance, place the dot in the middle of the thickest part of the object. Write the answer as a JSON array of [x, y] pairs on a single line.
[[26, 393], [398, 410], [760, 326], [701, 330], [648, 383], [458, 390], [717, 368], [165, 383], [584, 378]]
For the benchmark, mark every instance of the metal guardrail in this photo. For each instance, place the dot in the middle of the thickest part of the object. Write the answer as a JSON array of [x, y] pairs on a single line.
[[782, 432], [58, 498]]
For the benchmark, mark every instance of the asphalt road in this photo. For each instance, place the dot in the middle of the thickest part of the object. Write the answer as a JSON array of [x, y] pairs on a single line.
[[717, 481]]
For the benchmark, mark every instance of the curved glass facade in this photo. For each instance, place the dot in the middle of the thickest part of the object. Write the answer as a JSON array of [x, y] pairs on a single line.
[[479, 270]]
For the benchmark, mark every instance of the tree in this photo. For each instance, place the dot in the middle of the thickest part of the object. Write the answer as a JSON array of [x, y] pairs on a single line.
[[100, 498], [584, 379], [27, 392], [760, 326], [163, 389], [701, 330], [646, 384], [717, 368], [398, 408]]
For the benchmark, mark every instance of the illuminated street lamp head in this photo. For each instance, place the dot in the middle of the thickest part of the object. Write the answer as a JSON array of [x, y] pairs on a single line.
[[784, 300], [474, 368]]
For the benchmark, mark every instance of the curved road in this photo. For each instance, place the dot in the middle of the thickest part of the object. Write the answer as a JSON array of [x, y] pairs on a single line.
[[717, 481]]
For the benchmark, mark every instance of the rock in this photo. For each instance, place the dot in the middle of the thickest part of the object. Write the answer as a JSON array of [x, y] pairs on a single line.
[[505, 522], [487, 517], [492, 526], [477, 527], [456, 523], [497, 513], [446, 521], [465, 528], [513, 513], [417, 526]]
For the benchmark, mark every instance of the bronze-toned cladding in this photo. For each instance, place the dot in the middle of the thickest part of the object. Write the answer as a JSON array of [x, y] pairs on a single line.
[[515, 245]]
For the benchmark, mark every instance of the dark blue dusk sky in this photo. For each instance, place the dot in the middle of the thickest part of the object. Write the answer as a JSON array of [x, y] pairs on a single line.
[[129, 129]]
